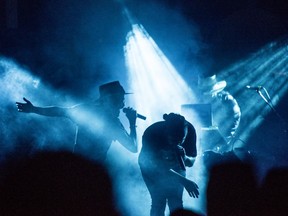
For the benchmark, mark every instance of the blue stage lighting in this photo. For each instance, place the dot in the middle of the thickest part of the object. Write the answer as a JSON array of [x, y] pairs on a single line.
[[267, 69], [158, 87]]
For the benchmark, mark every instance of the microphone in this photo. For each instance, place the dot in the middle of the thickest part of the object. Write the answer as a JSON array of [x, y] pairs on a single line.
[[256, 88], [137, 115]]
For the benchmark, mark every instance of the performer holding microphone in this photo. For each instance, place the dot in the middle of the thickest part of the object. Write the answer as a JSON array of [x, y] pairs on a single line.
[[98, 122]]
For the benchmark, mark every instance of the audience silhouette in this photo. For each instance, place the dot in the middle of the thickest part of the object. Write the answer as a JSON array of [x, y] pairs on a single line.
[[274, 192], [55, 183], [184, 212], [232, 190], [63, 183]]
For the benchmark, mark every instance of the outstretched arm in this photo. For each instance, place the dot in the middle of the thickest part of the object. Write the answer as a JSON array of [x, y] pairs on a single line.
[[28, 107]]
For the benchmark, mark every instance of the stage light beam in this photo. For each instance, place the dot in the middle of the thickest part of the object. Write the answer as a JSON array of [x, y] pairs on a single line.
[[157, 85]]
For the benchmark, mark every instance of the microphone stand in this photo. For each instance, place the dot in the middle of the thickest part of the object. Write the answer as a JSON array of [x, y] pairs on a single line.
[[269, 102]]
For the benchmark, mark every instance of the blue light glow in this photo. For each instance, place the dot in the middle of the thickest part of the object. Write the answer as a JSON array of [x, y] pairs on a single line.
[[157, 85], [268, 68]]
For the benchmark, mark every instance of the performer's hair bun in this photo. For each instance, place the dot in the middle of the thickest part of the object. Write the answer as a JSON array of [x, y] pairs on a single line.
[[173, 117]]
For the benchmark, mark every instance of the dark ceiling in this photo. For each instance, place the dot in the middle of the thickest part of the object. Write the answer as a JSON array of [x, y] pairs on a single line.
[[64, 40]]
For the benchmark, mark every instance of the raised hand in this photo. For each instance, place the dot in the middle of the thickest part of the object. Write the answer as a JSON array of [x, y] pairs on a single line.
[[131, 114], [26, 107]]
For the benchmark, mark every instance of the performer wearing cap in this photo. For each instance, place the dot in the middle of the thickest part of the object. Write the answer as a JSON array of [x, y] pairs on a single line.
[[97, 122], [225, 109]]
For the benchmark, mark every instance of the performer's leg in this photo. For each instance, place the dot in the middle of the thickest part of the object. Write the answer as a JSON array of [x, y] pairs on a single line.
[[175, 197], [157, 193]]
